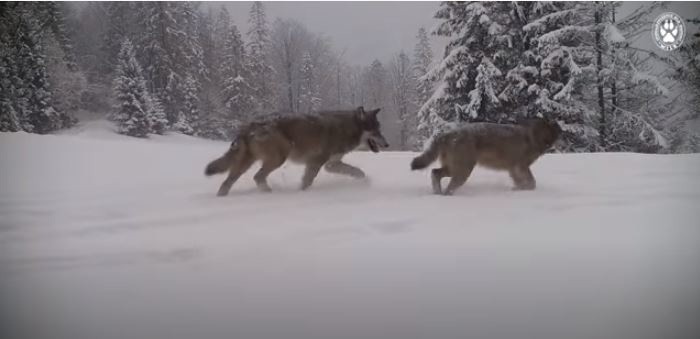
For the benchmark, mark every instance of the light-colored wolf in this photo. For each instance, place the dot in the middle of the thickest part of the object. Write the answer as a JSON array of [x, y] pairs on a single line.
[[512, 147], [317, 140]]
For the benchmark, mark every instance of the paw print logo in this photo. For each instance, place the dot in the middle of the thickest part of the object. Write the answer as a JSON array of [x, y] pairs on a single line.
[[668, 31]]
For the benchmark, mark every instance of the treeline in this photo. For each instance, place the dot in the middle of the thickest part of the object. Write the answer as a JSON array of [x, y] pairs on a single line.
[[154, 67], [176, 66]]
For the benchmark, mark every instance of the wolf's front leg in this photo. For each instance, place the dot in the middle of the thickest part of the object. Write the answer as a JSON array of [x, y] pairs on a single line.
[[339, 167], [522, 178], [312, 168]]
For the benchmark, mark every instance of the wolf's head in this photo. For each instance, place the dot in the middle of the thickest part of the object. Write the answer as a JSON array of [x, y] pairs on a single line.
[[371, 133], [545, 131]]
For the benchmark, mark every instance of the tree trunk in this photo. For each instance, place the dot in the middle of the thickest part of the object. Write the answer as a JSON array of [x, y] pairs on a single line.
[[599, 66], [613, 88], [290, 92], [338, 84]]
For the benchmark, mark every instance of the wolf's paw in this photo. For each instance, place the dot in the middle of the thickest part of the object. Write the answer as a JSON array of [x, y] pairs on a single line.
[[364, 181], [265, 188], [223, 191], [437, 188], [359, 175]]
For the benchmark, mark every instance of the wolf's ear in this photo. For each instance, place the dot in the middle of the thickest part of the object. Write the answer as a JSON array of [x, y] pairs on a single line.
[[362, 114], [374, 111]]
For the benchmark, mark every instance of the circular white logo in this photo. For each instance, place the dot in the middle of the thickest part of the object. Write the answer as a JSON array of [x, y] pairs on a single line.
[[668, 31]]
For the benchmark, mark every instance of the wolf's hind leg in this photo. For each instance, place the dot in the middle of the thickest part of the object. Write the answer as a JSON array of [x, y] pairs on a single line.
[[339, 167], [459, 177], [312, 168], [270, 164], [522, 178], [234, 173], [436, 176]]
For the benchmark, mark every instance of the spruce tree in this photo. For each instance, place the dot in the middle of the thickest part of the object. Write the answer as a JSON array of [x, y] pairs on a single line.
[[191, 103], [171, 54], [39, 115], [9, 117], [27, 96], [157, 121], [261, 72], [485, 43], [120, 17], [132, 100], [422, 59], [237, 93]]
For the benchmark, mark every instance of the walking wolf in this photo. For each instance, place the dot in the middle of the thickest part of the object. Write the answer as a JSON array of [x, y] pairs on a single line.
[[497, 146], [317, 140]]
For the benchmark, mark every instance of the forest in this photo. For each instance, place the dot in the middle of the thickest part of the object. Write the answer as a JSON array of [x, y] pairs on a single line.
[[160, 67]]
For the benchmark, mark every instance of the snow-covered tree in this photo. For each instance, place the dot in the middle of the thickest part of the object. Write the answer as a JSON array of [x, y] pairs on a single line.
[[376, 84], [288, 45], [558, 69], [309, 96], [170, 52], [182, 125], [51, 15], [210, 84], [237, 93], [422, 60], [685, 137], [9, 117], [190, 109], [120, 24], [506, 61], [261, 72], [305, 66], [30, 78], [157, 120], [583, 46], [403, 95], [133, 102], [485, 43]]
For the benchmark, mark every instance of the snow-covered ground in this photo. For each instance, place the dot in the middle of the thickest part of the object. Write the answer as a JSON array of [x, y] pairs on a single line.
[[104, 236]]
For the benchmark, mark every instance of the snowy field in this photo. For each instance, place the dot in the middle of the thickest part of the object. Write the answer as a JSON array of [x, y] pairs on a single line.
[[108, 237]]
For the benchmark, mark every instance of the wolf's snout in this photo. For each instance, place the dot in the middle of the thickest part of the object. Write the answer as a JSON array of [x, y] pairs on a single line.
[[382, 142]]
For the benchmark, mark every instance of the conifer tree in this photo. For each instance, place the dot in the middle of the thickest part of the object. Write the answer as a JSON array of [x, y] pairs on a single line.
[[132, 100], [261, 72]]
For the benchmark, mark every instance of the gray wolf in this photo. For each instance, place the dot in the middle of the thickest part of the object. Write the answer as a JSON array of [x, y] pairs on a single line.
[[316, 140], [510, 147]]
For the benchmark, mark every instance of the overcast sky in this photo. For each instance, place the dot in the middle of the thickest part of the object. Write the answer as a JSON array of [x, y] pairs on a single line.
[[364, 30], [379, 29]]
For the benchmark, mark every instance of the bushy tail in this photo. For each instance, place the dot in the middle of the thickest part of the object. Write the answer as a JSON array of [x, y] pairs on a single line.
[[428, 157], [225, 162]]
